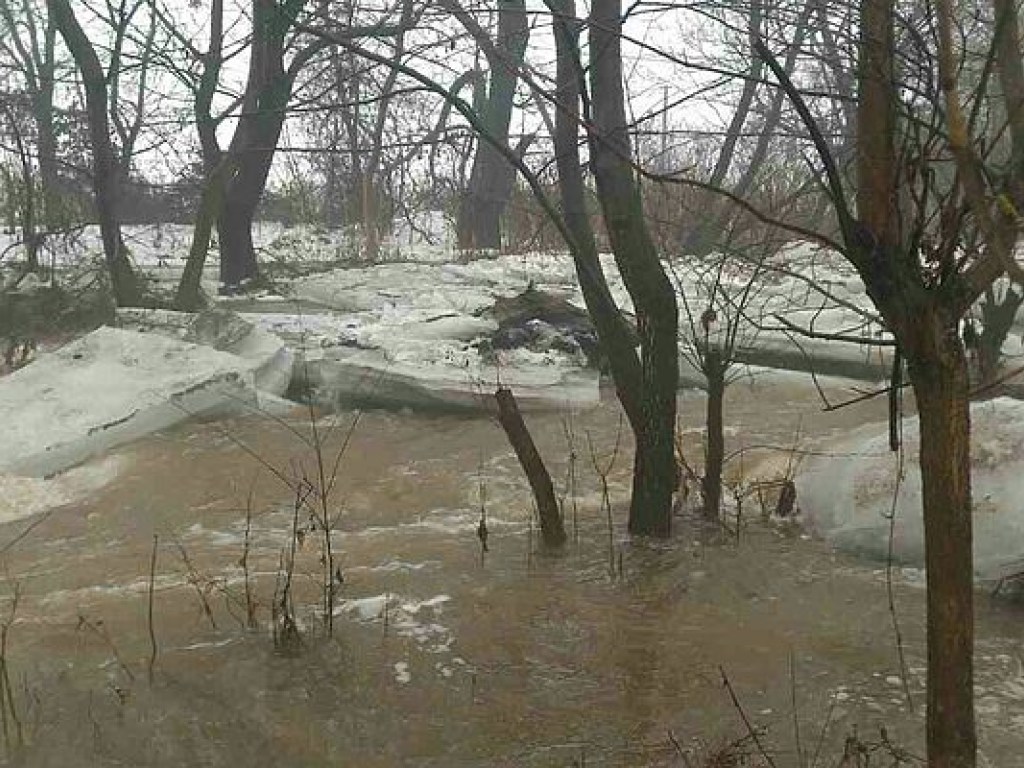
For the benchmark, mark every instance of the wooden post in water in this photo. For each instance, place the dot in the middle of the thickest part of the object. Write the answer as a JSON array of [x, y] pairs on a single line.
[[551, 528]]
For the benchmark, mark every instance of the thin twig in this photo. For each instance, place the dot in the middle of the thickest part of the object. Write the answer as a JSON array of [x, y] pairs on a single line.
[[889, 591], [746, 721], [796, 714], [679, 749], [149, 617]]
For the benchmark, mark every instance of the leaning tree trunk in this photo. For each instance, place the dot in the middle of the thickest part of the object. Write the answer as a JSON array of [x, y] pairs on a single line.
[[711, 230], [106, 177], [490, 180], [234, 235], [188, 297], [551, 526], [939, 374], [252, 150], [654, 299]]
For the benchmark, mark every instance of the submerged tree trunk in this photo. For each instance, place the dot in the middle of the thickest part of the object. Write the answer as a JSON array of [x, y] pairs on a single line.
[[714, 450], [925, 319], [938, 372], [654, 298], [490, 180], [551, 525]]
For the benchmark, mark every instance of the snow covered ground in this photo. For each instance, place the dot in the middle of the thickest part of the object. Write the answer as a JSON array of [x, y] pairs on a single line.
[[805, 285], [407, 332], [848, 494], [428, 238]]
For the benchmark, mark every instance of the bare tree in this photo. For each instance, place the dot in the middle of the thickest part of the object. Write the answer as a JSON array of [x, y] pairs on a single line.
[[923, 287], [717, 322], [29, 43], [106, 168]]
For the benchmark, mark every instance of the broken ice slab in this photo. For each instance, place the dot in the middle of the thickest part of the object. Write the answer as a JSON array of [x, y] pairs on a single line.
[[110, 387]]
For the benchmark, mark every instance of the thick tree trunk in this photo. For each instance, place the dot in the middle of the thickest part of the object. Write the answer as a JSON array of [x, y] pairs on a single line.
[[938, 371], [654, 298], [490, 180], [1011, 80], [877, 181], [189, 296], [551, 526], [714, 450], [254, 142], [234, 234]]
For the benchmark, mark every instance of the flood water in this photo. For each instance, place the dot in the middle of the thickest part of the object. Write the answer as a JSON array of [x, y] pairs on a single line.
[[611, 654]]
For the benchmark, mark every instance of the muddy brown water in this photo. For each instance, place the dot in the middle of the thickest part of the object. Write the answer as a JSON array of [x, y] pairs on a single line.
[[604, 656]]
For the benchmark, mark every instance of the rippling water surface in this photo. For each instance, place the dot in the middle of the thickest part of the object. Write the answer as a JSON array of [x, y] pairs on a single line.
[[603, 656]]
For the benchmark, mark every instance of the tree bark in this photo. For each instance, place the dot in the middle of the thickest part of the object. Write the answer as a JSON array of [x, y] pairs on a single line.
[[106, 177], [654, 298], [551, 526], [938, 371], [238, 263], [42, 105], [714, 455], [188, 297], [877, 185], [1011, 80]]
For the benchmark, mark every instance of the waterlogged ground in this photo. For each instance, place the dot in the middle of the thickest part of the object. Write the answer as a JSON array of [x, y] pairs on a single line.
[[604, 656]]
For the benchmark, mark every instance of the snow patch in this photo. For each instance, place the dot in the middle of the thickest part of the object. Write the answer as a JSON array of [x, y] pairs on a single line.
[[402, 675]]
